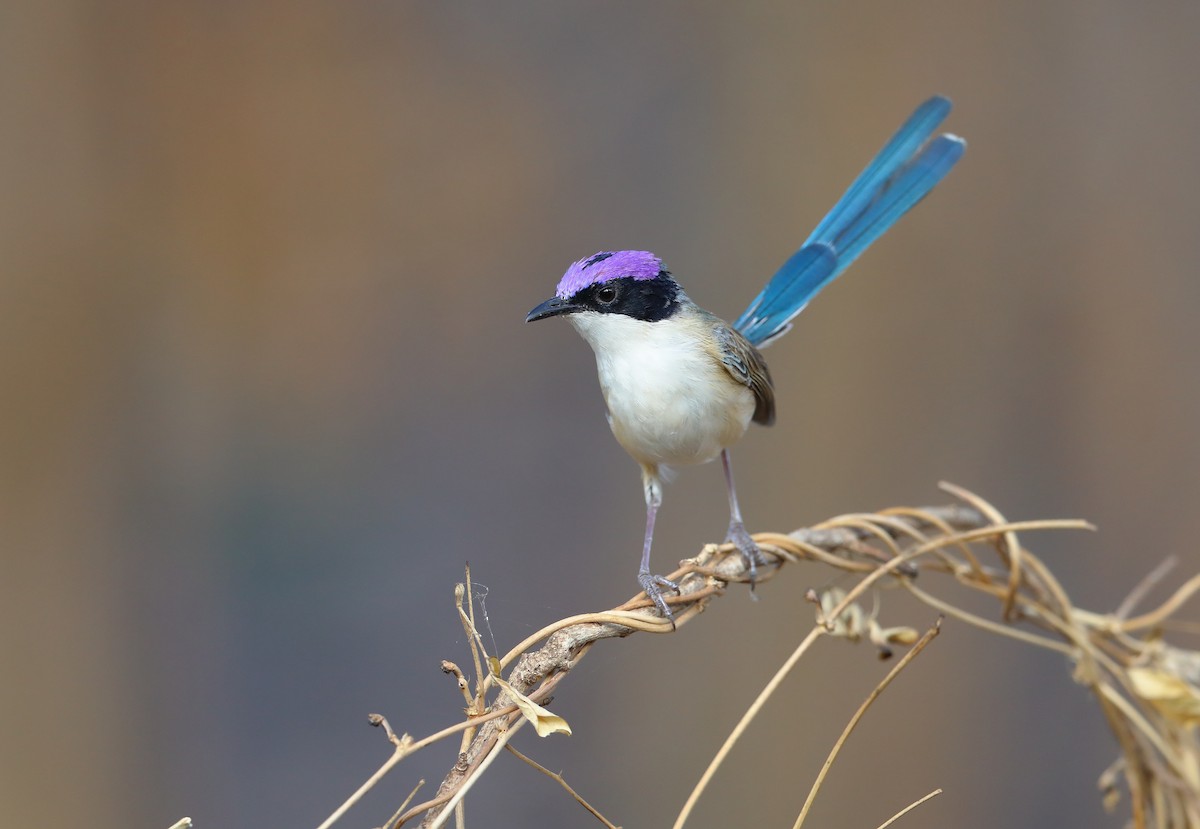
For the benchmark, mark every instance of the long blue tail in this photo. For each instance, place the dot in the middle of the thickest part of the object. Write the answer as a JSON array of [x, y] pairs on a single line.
[[906, 169]]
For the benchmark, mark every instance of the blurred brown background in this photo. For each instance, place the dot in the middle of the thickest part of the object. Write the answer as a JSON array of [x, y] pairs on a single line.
[[265, 387]]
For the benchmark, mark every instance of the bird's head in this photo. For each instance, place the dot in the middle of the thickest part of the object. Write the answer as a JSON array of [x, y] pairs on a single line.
[[633, 283]]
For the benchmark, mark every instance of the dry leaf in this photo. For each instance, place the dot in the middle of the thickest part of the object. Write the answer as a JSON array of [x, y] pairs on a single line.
[[1175, 698], [544, 721]]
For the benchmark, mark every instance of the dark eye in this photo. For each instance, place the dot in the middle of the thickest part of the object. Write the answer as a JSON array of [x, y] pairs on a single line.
[[606, 295]]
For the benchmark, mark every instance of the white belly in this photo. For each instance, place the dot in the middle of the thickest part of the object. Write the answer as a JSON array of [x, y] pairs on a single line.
[[669, 400]]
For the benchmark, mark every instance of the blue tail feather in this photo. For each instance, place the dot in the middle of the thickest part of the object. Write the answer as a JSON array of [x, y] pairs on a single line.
[[802, 275], [895, 154], [903, 172], [897, 196]]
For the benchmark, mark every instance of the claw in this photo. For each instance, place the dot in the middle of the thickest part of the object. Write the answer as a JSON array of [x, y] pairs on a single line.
[[652, 585], [748, 550]]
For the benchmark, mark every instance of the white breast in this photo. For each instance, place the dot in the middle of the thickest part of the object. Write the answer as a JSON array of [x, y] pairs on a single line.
[[669, 400]]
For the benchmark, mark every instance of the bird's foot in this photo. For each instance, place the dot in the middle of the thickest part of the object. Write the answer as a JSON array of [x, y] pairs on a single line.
[[653, 586], [748, 550]]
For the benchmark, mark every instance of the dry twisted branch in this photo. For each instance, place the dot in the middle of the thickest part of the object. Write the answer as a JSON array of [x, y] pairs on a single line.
[[1146, 688]]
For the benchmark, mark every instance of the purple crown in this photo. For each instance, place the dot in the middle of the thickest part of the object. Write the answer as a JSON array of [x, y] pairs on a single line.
[[606, 265]]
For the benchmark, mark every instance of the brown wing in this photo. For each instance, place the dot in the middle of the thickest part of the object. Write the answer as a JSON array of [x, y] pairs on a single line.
[[746, 365]]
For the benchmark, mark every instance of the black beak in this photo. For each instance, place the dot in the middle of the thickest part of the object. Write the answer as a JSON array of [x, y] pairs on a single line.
[[553, 307]]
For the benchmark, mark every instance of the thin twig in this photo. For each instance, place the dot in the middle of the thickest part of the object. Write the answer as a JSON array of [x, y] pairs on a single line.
[[556, 776], [474, 641], [380, 721], [391, 822], [909, 808], [991, 627], [1145, 586], [1007, 543], [858, 715], [1156, 616], [751, 712]]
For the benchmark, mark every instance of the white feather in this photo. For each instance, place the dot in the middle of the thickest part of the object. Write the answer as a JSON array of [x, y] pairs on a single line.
[[670, 401]]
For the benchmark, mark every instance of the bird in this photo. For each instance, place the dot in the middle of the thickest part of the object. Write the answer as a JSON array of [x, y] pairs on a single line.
[[682, 385]]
